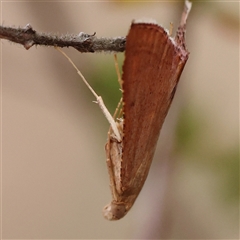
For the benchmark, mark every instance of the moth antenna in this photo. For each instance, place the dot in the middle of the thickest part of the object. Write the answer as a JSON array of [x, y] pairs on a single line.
[[98, 98]]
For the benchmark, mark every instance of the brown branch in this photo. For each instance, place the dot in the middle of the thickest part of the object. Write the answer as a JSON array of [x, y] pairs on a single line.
[[82, 42]]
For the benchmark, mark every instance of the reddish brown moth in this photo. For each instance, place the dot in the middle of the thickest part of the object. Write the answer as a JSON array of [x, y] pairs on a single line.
[[153, 64]]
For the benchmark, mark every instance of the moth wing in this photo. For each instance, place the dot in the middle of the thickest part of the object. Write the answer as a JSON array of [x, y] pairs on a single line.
[[151, 71]]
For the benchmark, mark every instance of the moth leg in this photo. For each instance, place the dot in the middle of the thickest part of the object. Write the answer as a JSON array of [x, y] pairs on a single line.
[[112, 182], [171, 29], [110, 170], [118, 111], [99, 100], [117, 70]]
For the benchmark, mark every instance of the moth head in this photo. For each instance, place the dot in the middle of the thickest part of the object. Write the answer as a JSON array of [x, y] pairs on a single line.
[[114, 210]]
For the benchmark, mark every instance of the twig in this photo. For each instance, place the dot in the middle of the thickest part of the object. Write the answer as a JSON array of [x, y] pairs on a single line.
[[82, 42]]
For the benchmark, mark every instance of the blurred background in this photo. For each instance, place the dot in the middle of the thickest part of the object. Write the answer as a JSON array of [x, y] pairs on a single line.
[[54, 177]]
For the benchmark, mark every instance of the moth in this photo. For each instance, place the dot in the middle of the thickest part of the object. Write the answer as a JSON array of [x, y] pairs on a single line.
[[154, 61], [152, 67]]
